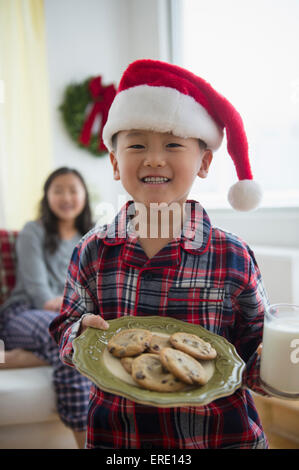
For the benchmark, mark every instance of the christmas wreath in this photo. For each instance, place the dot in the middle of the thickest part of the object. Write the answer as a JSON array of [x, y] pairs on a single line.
[[85, 110]]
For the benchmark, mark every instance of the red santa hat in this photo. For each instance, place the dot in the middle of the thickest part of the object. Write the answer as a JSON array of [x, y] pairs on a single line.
[[163, 97]]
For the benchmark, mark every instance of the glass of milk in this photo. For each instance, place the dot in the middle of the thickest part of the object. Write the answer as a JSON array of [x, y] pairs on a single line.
[[280, 353]]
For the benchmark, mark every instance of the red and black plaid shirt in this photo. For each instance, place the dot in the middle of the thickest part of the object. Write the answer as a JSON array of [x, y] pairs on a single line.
[[208, 277]]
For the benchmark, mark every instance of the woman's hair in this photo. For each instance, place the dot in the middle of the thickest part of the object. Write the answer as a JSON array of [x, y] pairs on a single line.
[[83, 222]]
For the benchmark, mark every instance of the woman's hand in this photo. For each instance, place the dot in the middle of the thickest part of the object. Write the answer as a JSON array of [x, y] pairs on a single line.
[[95, 321], [54, 304]]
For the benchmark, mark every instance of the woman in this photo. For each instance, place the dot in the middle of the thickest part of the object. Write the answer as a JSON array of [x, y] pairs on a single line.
[[44, 248]]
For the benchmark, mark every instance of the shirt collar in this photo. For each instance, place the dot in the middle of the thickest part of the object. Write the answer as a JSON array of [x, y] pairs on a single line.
[[195, 236]]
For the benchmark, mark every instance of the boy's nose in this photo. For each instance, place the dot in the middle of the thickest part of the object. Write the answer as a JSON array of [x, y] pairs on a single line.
[[155, 161]]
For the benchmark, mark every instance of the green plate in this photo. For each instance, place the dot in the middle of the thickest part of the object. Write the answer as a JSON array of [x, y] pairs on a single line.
[[90, 358]]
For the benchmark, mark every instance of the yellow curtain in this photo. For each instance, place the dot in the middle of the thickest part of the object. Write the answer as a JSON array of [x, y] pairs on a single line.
[[25, 144]]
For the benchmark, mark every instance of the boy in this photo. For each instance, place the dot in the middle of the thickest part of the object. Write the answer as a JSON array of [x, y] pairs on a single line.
[[161, 130]]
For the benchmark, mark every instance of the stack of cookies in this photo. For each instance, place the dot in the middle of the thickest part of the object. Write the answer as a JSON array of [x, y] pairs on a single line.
[[160, 363]]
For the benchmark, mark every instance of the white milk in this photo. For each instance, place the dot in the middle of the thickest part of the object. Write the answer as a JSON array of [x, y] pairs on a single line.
[[280, 353]]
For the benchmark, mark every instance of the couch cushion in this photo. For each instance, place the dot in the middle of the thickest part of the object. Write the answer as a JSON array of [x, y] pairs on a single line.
[[27, 395]]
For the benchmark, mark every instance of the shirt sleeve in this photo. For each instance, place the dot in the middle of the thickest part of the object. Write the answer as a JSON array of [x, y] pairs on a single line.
[[251, 304], [79, 299], [31, 265]]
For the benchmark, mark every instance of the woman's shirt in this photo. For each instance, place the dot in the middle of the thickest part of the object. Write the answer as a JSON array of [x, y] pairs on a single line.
[[40, 274]]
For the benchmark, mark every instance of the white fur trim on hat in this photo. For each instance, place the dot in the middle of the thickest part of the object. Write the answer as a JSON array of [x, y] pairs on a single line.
[[245, 195], [161, 109]]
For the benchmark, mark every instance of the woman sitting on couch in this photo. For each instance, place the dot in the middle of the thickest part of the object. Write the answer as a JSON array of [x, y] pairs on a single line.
[[44, 248]]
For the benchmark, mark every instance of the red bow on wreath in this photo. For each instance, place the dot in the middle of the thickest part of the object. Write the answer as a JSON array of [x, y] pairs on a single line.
[[102, 97]]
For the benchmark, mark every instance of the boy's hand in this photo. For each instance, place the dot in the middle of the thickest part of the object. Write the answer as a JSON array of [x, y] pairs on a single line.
[[259, 349], [95, 321]]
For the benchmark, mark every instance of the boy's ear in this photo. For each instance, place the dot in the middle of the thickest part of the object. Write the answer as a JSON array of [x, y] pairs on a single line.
[[114, 164], [205, 163]]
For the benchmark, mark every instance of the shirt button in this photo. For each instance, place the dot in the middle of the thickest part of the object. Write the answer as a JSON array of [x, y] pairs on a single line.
[[148, 276]]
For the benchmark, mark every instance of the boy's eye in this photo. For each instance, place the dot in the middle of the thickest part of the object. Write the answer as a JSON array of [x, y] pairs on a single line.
[[173, 145], [136, 146]]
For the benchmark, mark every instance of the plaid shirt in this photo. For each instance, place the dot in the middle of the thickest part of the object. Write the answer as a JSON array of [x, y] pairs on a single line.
[[207, 277]]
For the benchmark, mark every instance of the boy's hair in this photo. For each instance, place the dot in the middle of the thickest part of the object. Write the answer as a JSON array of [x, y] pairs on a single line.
[[202, 144]]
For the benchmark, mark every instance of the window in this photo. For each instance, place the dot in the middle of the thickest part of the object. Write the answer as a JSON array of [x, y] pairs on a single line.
[[248, 51]]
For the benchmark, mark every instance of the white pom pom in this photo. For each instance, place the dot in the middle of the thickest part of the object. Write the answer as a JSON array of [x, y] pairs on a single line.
[[245, 195]]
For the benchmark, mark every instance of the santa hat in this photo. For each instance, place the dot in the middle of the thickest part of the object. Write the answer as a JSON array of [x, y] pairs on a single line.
[[163, 97]]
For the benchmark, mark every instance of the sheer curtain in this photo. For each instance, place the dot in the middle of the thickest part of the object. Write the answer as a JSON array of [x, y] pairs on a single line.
[[249, 52], [25, 144]]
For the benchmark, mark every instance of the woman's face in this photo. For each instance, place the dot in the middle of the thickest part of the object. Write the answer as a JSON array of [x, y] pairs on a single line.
[[66, 197]]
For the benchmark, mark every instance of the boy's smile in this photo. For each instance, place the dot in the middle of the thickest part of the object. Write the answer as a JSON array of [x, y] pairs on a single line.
[[157, 167]]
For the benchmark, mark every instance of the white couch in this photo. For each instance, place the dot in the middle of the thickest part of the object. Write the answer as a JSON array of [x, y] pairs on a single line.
[[28, 417]]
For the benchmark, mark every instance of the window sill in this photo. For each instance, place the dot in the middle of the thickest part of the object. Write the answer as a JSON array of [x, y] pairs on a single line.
[[271, 200], [267, 226]]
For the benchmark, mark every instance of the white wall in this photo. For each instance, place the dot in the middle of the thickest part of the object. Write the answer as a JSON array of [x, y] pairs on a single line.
[[280, 271], [97, 37]]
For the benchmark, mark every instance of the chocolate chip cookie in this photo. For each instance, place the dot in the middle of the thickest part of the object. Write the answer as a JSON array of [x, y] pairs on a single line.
[[129, 342], [183, 366], [126, 362], [158, 343], [149, 373], [193, 345]]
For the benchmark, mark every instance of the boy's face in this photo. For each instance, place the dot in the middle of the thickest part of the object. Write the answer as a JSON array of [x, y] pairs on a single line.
[[158, 167]]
